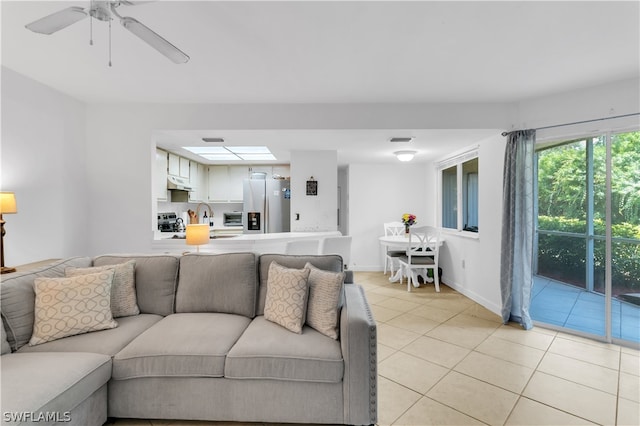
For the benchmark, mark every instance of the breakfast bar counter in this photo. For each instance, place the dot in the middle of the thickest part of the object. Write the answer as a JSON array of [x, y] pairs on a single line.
[[257, 243]]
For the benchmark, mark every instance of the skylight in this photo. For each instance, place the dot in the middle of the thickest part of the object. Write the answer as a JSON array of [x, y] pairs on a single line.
[[232, 153]]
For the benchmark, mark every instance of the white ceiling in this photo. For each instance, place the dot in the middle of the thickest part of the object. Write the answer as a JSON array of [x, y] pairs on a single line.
[[333, 52]]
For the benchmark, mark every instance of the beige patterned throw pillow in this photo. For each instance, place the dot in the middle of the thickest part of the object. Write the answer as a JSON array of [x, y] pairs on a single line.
[[325, 293], [69, 306], [123, 290], [286, 300]]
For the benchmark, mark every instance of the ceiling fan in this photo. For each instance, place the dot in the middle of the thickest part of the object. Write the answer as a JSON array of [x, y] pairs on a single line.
[[106, 11]]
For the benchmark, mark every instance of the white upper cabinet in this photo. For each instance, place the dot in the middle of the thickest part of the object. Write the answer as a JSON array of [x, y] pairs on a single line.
[[185, 168], [160, 180], [283, 170], [225, 183], [199, 182], [174, 165], [237, 175]]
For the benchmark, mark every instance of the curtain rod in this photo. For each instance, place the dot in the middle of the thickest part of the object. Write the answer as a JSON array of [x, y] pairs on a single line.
[[577, 122]]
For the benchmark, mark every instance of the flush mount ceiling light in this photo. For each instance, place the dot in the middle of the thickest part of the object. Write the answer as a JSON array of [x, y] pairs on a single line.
[[232, 153], [106, 11], [405, 155]]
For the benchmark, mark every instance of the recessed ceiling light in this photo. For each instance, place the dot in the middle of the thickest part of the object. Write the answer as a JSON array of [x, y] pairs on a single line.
[[200, 150], [248, 149], [221, 157], [258, 157], [232, 153]]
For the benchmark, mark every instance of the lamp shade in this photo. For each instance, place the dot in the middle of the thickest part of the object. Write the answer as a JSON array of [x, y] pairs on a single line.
[[197, 234], [8, 203]]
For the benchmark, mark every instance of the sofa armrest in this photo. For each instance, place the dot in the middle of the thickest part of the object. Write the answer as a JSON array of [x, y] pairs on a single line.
[[358, 340]]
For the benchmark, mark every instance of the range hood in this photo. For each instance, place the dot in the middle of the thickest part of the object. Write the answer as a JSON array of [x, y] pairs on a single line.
[[177, 183]]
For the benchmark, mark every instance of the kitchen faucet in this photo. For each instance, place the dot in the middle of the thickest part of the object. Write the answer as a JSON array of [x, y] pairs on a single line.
[[198, 210]]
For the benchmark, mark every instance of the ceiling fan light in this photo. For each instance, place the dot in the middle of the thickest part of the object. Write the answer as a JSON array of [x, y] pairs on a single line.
[[57, 21], [405, 155], [154, 40]]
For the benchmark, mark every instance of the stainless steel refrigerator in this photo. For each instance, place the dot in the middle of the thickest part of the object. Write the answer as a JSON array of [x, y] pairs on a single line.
[[266, 206]]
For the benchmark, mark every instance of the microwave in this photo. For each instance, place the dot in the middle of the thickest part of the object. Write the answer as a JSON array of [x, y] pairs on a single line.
[[232, 218]]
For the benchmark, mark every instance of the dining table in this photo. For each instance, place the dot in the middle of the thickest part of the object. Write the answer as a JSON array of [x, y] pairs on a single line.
[[400, 242]]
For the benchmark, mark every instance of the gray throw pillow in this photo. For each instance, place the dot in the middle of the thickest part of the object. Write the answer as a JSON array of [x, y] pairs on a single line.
[[123, 289], [325, 294]]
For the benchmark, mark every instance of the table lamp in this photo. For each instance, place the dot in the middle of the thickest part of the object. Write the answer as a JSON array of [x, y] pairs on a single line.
[[7, 205], [197, 234]]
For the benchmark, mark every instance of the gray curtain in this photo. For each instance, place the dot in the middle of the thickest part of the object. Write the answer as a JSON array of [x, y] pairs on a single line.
[[516, 268]]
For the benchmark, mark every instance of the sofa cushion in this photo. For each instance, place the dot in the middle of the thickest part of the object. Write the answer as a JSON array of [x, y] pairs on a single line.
[[156, 280], [287, 293], [123, 288], [70, 306], [224, 283], [181, 345], [107, 342], [331, 262], [17, 298], [50, 382], [268, 351], [325, 296]]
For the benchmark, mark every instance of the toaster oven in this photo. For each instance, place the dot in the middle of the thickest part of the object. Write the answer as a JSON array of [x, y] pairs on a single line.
[[232, 219]]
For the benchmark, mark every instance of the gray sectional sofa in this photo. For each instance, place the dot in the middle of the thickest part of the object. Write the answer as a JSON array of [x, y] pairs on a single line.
[[200, 349]]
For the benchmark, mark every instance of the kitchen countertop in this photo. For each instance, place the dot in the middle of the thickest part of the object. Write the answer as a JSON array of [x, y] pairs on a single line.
[[259, 243]]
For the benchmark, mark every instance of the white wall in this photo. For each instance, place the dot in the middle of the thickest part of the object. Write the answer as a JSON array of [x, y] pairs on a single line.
[[480, 277], [120, 152], [378, 194], [43, 162], [100, 200], [320, 212]]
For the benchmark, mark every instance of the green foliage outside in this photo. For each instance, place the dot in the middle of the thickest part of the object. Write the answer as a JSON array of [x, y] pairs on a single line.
[[563, 258], [563, 204]]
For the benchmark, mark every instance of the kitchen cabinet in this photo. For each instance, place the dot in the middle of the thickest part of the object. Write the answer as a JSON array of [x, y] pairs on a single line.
[[237, 175], [178, 166], [160, 178], [185, 169], [226, 183], [174, 165], [282, 170], [268, 170], [199, 182]]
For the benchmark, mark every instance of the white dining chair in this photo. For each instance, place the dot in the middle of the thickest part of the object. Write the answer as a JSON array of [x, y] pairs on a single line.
[[304, 247], [337, 245], [393, 253], [421, 255]]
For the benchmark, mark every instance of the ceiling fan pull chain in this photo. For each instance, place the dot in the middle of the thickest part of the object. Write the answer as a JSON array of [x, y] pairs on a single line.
[[110, 42]]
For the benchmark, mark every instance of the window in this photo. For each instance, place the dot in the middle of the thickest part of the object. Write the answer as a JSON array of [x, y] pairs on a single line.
[[459, 187]]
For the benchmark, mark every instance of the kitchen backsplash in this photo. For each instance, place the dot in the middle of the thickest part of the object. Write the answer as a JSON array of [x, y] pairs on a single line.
[[218, 209]]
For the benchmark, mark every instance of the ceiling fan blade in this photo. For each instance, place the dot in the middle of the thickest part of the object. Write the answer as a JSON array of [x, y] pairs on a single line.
[[57, 21], [154, 40]]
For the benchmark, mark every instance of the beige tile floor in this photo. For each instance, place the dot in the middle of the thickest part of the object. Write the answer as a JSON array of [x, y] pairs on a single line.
[[445, 360]]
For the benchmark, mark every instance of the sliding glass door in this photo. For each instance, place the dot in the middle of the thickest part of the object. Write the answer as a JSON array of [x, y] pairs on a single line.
[[588, 236]]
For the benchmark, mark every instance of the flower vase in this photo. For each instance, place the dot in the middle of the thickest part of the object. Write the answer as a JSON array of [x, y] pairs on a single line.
[[406, 228]]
